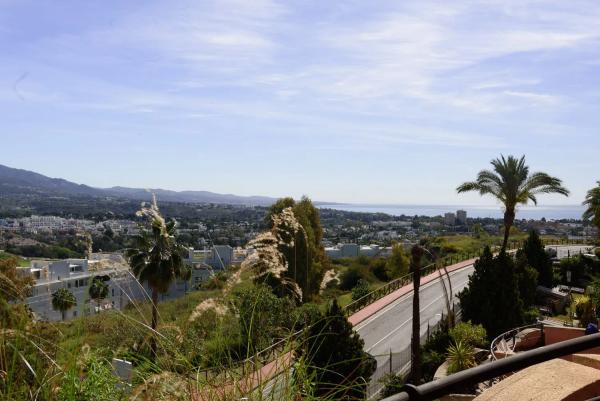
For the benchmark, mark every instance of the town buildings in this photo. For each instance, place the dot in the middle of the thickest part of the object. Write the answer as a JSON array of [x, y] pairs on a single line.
[[76, 275]]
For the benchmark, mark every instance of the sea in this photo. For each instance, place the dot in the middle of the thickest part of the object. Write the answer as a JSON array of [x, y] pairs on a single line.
[[553, 212]]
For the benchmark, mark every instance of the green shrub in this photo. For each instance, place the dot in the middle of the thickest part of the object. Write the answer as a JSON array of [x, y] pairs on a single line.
[[350, 278], [470, 334], [379, 269], [431, 362], [95, 382], [461, 356], [360, 289], [392, 384]]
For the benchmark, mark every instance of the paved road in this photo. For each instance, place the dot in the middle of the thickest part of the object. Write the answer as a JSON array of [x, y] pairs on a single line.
[[389, 329]]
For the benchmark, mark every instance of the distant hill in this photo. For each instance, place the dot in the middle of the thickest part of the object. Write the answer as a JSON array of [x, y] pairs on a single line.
[[22, 182], [188, 196], [15, 182]]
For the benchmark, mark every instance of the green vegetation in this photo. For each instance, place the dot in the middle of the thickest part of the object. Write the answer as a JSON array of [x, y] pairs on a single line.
[[21, 262], [461, 356], [392, 384], [469, 334], [63, 300], [304, 253], [592, 201], [98, 290], [335, 357], [492, 297], [43, 251], [511, 184], [443, 344], [537, 257], [262, 317], [360, 289], [155, 258], [92, 380]]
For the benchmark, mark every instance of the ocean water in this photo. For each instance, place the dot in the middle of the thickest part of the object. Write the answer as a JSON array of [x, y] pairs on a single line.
[[494, 211]]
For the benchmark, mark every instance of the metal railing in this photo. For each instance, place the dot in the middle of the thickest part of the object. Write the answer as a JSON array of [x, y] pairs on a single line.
[[383, 291], [456, 382], [441, 263], [265, 356], [510, 339], [399, 362]]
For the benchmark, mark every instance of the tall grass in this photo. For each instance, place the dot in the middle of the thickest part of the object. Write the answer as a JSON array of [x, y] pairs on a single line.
[[197, 359]]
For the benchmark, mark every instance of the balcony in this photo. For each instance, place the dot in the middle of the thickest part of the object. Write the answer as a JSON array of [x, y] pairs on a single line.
[[536, 363]]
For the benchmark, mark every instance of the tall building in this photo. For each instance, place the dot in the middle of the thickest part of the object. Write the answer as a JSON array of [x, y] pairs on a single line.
[[461, 217], [449, 219]]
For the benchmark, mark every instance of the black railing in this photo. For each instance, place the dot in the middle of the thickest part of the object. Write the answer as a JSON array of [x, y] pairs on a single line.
[[435, 389]]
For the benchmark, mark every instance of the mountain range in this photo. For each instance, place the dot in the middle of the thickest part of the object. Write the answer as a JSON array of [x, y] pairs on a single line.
[[15, 182]]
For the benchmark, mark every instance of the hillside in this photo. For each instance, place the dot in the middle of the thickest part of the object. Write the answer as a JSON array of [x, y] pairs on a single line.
[[17, 182]]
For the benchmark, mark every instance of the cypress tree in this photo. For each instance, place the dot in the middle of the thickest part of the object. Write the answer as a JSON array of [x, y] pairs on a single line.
[[492, 297], [536, 255], [335, 358]]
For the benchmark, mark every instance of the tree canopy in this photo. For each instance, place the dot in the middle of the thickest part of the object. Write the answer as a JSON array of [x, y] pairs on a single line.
[[63, 300], [536, 256], [492, 296], [334, 356], [306, 259], [511, 183], [592, 201]]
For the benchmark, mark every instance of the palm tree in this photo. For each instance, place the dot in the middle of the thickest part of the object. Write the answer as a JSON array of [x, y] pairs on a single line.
[[416, 254], [98, 290], [511, 184], [63, 300], [592, 201], [155, 259]]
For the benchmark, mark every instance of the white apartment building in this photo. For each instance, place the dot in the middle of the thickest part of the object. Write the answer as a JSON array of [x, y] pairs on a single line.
[[354, 250], [76, 275], [219, 257]]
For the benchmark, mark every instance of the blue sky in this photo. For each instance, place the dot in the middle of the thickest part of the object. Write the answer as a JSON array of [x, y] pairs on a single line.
[[359, 101]]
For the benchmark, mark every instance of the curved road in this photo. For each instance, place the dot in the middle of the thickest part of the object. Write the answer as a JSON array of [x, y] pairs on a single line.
[[387, 329]]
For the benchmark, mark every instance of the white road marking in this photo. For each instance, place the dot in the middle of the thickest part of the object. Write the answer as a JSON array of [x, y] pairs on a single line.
[[392, 305], [408, 320]]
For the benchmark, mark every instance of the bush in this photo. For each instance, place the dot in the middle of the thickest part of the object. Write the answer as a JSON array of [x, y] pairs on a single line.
[[531, 315], [392, 384], [216, 282], [470, 334], [379, 269], [336, 362], [431, 362], [360, 290], [96, 382], [438, 341], [461, 356], [350, 278], [306, 315]]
